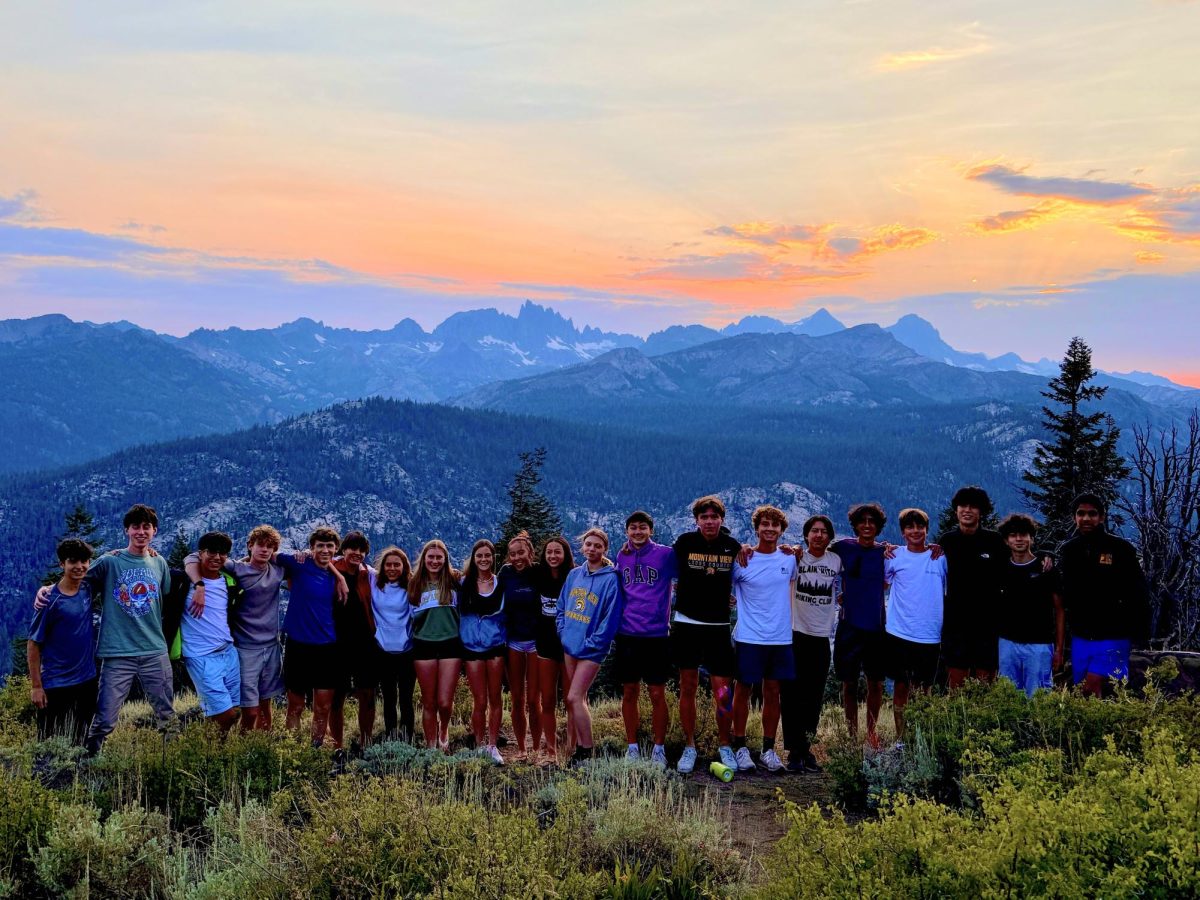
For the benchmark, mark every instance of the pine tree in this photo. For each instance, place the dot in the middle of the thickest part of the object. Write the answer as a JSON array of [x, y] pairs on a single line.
[[1080, 453], [531, 511], [78, 525], [179, 551]]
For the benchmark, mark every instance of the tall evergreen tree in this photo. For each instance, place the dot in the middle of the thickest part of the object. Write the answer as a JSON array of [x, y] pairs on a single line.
[[79, 525], [1080, 452], [179, 550], [530, 510]]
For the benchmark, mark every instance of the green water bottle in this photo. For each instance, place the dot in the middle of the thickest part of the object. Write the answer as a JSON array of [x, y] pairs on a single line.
[[721, 771]]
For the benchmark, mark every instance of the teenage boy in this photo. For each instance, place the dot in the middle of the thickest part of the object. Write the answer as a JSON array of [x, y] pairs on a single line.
[[354, 622], [312, 661], [1104, 592], [858, 641], [700, 635], [207, 642], [130, 586], [814, 618], [915, 610], [255, 624], [975, 558], [61, 650], [1030, 615], [642, 650], [763, 635]]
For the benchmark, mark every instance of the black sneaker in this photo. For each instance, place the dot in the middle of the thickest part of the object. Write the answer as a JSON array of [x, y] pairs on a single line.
[[810, 763], [795, 765]]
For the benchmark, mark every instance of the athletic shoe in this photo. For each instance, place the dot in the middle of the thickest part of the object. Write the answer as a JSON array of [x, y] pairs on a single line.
[[494, 752], [771, 760], [744, 762], [795, 764], [659, 757], [810, 763], [687, 762], [632, 752], [727, 758]]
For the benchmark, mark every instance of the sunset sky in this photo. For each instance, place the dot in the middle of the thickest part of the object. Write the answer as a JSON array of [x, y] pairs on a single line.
[[1015, 172]]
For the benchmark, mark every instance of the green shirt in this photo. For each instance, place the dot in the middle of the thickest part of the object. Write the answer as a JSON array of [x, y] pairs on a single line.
[[130, 591], [432, 621]]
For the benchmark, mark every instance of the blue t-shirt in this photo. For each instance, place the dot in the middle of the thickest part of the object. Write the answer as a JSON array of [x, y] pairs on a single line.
[[309, 616], [64, 629], [862, 584]]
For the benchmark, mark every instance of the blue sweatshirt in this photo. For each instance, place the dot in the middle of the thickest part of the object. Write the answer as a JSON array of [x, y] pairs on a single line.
[[522, 602], [589, 610]]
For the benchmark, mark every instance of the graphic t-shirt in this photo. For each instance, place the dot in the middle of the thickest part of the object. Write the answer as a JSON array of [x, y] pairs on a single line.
[[814, 611], [646, 576], [64, 630], [705, 577], [131, 591], [763, 588], [211, 631], [917, 599]]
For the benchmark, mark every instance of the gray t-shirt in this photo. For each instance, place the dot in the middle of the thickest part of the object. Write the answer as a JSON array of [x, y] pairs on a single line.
[[256, 618], [814, 611]]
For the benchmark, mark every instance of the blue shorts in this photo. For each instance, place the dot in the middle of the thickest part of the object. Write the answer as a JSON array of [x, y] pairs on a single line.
[[1107, 658], [756, 662], [218, 679], [523, 646], [261, 672]]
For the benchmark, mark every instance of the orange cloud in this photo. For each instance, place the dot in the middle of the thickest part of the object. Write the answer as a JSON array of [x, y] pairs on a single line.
[[1148, 256], [1022, 219], [914, 59]]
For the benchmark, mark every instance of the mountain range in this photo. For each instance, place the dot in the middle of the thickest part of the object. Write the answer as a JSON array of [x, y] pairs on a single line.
[[81, 390]]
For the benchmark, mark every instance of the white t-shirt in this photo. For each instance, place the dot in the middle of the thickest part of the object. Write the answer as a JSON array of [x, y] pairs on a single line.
[[814, 611], [211, 631], [917, 598], [763, 588]]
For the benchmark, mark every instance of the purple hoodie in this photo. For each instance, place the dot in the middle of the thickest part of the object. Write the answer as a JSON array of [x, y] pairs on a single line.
[[646, 583]]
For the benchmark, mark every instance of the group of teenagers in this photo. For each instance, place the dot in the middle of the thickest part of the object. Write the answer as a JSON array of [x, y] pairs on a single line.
[[758, 616]]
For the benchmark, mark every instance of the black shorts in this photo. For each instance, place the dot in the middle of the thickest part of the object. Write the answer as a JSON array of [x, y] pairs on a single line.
[[858, 650], [708, 647], [645, 659], [313, 667], [549, 645], [971, 649], [451, 649], [910, 661], [497, 652]]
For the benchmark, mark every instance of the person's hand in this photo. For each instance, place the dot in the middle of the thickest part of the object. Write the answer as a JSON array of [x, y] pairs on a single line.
[[42, 598], [343, 592], [1047, 563], [787, 549], [937, 551], [1056, 661], [38, 696], [744, 555], [196, 607], [889, 550], [302, 556], [732, 601]]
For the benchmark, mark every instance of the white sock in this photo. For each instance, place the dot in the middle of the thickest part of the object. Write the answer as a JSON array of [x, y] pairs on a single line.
[[659, 747], [634, 747]]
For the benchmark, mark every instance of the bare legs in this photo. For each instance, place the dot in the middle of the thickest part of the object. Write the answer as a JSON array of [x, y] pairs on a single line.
[[438, 679], [526, 697], [689, 682], [486, 680], [874, 702], [580, 675]]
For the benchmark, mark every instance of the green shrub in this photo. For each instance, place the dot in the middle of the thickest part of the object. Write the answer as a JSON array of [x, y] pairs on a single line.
[[187, 775], [26, 812], [249, 850], [126, 856], [1125, 826]]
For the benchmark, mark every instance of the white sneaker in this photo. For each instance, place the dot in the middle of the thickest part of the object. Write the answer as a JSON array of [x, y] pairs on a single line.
[[632, 752], [727, 758], [744, 762], [659, 756], [687, 762], [494, 752], [771, 760]]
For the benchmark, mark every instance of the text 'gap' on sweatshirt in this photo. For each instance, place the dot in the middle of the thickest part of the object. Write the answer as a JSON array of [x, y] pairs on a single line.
[[646, 574]]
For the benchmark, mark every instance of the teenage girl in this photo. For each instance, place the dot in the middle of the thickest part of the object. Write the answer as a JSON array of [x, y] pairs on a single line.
[[393, 635], [481, 606], [589, 611], [522, 608], [551, 571], [437, 648]]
